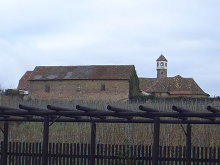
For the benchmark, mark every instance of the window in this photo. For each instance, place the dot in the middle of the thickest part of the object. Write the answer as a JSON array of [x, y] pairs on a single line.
[[166, 64], [47, 88], [161, 64], [158, 64], [161, 72], [78, 87], [103, 87]]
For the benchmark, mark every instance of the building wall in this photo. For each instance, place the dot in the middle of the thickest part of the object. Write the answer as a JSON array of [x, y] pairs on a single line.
[[161, 73], [190, 96], [158, 94], [167, 95], [115, 90]]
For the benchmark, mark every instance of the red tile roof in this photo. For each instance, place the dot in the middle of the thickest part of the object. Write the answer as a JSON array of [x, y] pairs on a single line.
[[92, 72], [23, 82], [171, 85]]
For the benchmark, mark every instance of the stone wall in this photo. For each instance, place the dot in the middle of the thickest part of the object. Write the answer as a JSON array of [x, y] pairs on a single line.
[[112, 90], [166, 95], [10, 101]]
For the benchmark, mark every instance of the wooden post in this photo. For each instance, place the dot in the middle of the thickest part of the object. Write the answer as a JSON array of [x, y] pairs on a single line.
[[5, 144], [93, 145], [156, 140], [188, 144], [45, 141]]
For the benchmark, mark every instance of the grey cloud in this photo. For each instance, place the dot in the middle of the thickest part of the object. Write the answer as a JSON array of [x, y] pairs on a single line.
[[111, 32]]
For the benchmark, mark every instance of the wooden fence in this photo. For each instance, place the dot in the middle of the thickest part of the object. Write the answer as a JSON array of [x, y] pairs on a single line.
[[79, 154]]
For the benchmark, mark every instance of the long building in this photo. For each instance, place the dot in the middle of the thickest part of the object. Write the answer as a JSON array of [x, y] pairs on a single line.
[[95, 82]]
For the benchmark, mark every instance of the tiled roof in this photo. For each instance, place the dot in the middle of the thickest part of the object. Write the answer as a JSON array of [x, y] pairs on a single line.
[[180, 92], [23, 83], [172, 85], [161, 58], [92, 72]]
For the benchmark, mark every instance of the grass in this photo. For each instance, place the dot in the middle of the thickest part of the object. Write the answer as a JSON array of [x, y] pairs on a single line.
[[170, 135]]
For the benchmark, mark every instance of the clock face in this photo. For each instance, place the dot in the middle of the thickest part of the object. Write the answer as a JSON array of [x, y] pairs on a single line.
[[161, 64]]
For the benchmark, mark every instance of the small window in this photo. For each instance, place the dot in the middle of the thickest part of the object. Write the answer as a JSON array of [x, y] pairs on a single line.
[[78, 87], [47, 88], [103, 87], [161, 64], [158, 64], [166, 64]]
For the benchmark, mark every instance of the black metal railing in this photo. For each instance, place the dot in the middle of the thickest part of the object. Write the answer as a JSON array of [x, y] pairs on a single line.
[[106, 154]]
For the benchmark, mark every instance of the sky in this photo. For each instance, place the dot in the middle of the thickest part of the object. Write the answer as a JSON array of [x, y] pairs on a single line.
[[112, 32]]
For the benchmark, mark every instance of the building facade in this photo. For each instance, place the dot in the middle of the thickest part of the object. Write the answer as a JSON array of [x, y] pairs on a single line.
[[107, 82], [164, 86]]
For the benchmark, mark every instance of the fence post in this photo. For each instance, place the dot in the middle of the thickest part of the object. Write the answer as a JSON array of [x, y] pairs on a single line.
[[93, 138], [5, 144], [188, 144], [156, 140], [45, 141]]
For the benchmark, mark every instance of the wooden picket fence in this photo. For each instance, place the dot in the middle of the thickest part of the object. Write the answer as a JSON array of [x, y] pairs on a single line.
[[106, 154]]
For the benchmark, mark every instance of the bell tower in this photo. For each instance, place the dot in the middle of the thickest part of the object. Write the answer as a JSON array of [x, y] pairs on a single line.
[[162, 67]]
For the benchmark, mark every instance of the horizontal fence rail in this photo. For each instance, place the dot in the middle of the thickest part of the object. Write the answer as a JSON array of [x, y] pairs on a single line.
[[106, 154]]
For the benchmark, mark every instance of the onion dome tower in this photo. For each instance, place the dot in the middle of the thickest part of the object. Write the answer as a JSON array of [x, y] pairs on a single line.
[[162, 67]]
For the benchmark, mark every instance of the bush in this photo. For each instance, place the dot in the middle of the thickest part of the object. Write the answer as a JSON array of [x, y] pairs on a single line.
[[12, 92]]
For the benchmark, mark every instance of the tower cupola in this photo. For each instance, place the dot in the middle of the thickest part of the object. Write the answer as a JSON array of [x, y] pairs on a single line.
[[162, 67]]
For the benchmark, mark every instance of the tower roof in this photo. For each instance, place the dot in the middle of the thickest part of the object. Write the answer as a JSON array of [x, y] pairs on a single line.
[[161, 58]]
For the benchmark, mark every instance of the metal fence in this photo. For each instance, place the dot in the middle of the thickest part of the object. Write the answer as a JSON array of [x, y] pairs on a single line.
[[106, 154]]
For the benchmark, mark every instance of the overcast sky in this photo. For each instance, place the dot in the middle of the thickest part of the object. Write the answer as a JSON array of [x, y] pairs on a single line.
[[102, 32]]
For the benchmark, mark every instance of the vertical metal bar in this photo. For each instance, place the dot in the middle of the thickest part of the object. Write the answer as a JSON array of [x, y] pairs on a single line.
[[156, 140], [5, 145], [188, 144], [45, 141], [109, 155], [93, 138]]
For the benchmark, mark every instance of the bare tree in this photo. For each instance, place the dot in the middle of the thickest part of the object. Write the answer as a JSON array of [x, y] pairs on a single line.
[[1, 88]]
